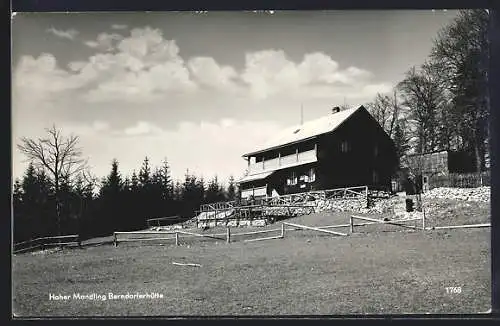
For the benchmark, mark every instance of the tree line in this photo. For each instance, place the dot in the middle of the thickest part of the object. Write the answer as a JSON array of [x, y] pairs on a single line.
[[443, 104], [439, 105], [48, 204]]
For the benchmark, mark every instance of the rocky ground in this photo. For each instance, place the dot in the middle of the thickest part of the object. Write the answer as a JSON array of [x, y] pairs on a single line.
[[481, 194]]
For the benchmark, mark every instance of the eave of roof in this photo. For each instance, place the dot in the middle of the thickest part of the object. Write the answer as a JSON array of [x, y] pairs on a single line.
[[254, 177], [279, 146]]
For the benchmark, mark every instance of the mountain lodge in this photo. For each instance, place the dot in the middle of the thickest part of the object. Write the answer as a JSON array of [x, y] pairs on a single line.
[[343, 149]]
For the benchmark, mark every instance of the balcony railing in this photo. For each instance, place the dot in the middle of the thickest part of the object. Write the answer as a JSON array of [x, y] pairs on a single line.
[[282, 162]]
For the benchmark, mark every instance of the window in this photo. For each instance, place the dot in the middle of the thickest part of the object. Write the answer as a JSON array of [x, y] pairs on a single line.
[[312, 175], [292, 180], [345, 146]]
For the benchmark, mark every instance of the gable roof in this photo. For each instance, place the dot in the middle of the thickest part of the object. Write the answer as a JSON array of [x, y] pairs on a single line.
[[307, 130]]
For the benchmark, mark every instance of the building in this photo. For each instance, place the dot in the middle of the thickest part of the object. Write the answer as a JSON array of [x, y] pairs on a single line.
[[345, 148], [444, 168]]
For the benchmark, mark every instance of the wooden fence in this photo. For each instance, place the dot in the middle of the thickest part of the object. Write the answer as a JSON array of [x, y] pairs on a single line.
[[159, 221], [305, 197], [461, 180], [175, 236], [394, 222], [217, 206], [46, 242]]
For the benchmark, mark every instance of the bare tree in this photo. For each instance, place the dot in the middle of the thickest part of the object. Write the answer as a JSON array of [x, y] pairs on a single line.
[[462, 52], [424, 97], [387, 111], [59, 156]]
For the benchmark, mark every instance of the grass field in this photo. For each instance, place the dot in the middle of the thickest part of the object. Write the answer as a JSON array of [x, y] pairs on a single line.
[[304, 273]]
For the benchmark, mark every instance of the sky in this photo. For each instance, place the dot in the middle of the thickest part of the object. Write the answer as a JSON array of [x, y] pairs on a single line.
[[201, 89]]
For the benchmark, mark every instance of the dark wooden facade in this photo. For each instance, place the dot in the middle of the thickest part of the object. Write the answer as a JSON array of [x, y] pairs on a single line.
[[440, 169], [357, 153]]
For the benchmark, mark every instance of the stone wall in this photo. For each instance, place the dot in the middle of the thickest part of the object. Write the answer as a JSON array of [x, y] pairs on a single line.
[[480, 194], [341, 205]]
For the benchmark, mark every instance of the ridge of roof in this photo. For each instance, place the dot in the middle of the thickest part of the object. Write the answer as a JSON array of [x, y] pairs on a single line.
[[308, 129]]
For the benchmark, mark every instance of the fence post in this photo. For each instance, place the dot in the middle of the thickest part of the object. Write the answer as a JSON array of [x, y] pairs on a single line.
[[282, 230], [228, 234], [366, 194], [176, 238], [351, 224], [423, 219], [115, 242]]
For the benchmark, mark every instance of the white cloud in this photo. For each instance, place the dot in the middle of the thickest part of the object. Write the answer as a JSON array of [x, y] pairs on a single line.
[[206, 71], [142, 128], [145, 67], [69, 34], [91, 44], [270, 72], [118, 26], [100, 125], [105, 41], [42, 76]]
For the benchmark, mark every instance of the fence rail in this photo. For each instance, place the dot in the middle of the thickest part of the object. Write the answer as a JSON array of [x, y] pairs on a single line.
[[217, 206], [44, 242], [461, 180], [394, 222], [157, 221]]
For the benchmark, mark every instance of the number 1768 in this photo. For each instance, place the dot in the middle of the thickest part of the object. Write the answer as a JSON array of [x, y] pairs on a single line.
[[453, 289]]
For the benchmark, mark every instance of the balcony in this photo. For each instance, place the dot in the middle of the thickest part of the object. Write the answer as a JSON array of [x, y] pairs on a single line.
[[283, 162]]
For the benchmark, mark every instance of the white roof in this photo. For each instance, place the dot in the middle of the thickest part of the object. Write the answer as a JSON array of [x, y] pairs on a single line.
[[307, 130]]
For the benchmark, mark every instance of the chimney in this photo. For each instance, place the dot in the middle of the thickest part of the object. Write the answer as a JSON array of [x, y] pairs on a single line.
[[336, 109]]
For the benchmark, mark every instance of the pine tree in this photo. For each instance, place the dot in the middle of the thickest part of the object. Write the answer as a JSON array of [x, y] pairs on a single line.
[[134, 183], [146, 195], [18, 213], [213, 191], [33, 214], [145, 174], [231, 189], [111, 200]]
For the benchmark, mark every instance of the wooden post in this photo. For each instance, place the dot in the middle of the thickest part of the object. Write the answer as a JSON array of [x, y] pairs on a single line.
[[282, 230], [176, 238], [228, 234], [115, 242], [366, 194], [351, 224]]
